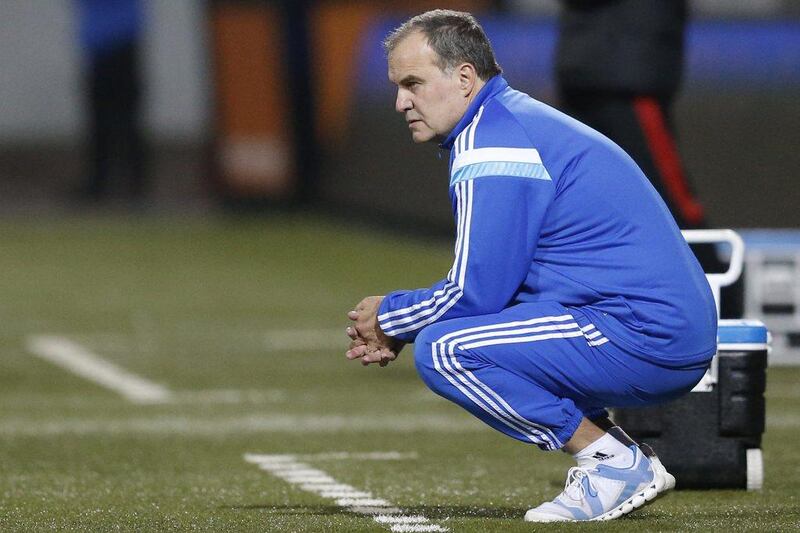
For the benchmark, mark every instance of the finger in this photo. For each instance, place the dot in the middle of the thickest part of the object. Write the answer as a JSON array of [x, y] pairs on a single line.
[[351, 332], [356, 352], [352, 315], [383, 356], [357, 342], [387, 356], [371, 357], [368, 360]]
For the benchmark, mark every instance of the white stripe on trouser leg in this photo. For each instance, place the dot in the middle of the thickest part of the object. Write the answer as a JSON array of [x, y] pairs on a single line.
[[455, 339], [538, 428], [532, 431], [518, 332], [549, 436], [520, 340], [520, 424], [434, 351], [519, 418], [490, 407], [514, 324]]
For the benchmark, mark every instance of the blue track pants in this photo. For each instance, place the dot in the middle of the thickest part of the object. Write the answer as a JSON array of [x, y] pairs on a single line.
[[534, 370]]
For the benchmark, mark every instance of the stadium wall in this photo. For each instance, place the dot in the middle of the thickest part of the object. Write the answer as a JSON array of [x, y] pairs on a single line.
[[737, 124]]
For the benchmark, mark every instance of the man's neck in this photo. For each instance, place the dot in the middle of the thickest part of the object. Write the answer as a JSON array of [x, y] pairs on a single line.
[[479, 84]]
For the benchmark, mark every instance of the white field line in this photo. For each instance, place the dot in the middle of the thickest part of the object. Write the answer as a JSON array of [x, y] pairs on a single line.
[[285, 340], [197, 397], [367, 456], [782, 392], [783, 421], [269, 423], [261, 423], [82, 362], [79, 360], [288, 468]]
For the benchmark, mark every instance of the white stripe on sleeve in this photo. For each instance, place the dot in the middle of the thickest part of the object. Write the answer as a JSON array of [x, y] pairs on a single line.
[[424, 313]]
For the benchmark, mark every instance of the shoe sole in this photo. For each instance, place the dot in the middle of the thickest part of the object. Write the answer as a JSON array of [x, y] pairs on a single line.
[[641, 498], [631, 504], [663, 482]]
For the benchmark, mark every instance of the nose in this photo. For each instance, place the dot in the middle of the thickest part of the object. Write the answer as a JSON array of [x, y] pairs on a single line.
[[403, 101]]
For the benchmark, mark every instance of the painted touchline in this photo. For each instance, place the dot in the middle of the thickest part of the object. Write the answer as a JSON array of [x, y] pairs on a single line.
[[82, 362], [270, 423], [286, 467], [260, 423]]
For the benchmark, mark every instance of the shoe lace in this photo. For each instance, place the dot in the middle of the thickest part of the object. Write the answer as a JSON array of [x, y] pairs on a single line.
[[574, 487]]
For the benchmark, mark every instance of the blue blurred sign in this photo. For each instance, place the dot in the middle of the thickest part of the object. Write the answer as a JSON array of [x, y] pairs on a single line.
[[737, 55]]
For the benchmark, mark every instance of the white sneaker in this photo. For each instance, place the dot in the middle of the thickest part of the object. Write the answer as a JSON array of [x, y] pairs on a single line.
[[601, 493], [664, 480]]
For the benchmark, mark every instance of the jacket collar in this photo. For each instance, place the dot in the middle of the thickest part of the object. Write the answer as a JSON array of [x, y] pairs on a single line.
[[495, 85]]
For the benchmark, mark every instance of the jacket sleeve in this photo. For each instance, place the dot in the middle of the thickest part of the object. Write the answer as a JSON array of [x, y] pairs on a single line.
[[499, 218]]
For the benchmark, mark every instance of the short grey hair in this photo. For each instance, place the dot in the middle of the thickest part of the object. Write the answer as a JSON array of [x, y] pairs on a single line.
[[455, 36]]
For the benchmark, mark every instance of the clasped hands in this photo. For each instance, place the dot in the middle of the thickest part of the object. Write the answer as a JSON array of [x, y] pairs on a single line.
[[368, 342]]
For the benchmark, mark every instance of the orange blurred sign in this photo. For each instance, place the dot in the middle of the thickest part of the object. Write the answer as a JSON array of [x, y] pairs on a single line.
[[253, 138]]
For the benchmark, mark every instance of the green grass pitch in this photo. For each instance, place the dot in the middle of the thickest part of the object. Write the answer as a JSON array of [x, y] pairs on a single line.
[[207, 308]]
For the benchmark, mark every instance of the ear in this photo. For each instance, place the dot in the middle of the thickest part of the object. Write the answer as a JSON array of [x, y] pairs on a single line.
[[467, 78]]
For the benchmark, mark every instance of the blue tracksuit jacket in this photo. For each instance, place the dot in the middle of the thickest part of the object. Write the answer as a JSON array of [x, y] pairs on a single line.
[[548, 209]]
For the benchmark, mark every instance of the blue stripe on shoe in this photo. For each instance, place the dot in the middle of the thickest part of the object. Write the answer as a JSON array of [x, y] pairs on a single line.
[[576, 512], [592, 498], [633, 477]]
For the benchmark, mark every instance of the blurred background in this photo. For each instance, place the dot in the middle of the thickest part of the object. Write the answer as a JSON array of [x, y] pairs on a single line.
[[252, 106], [262, 101], [193, 194]]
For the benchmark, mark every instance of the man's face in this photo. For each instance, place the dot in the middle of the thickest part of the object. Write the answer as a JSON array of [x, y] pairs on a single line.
[[431, 100]]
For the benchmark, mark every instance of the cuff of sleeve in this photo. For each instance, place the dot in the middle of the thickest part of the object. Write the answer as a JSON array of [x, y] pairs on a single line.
[[386, 307]]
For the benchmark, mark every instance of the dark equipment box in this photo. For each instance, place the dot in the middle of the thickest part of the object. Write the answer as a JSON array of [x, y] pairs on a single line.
[[711, 437]]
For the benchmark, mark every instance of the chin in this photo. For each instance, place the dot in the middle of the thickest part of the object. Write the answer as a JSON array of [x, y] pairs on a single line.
[[422, 137]]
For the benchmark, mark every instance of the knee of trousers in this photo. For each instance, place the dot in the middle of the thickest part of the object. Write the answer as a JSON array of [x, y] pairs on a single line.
[[432, 355], [423, 357]]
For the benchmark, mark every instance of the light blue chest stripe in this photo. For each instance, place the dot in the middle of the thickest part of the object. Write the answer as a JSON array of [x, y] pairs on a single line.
[[501, 168]]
